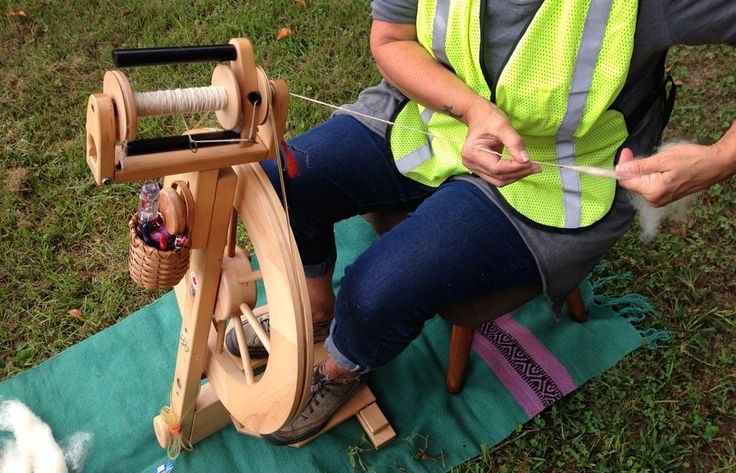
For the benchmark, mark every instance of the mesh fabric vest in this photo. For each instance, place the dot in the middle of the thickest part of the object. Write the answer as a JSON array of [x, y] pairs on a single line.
[[556, 88]]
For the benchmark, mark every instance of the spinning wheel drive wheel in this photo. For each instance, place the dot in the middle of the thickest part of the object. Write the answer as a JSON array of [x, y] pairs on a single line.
[[266, 401]]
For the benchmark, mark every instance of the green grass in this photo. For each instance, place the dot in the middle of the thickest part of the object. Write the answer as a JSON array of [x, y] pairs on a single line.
[[63, 241]]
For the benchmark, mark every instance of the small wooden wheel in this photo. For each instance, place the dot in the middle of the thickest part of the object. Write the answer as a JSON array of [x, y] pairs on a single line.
[[117, 86], [265, 90], [224, 77], [173, 209], [265, 402]]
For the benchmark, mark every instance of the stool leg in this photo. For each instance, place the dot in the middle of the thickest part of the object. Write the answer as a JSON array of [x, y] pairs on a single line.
[[576, 307], [462, 338]]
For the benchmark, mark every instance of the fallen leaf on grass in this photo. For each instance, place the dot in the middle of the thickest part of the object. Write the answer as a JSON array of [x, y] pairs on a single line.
[[17, 180], [283, 33], [15, 13], [77, 314], [130, 12], [679, 82], [301, 2]]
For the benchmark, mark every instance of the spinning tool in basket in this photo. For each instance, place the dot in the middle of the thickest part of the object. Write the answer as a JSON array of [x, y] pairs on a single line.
[[213, 181]]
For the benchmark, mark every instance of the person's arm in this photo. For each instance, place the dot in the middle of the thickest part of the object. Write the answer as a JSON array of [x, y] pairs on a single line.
[[678, 170], [405, 64]]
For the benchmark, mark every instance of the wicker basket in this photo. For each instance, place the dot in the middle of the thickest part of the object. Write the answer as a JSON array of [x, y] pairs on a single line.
[[152, 268]]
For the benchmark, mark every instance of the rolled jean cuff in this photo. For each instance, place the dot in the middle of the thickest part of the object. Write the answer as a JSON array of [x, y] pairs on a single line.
[[341, 359], [317, 270]]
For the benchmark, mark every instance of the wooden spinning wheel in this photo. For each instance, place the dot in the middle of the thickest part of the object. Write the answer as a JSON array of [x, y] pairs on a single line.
[[226, 185], [289, 341]]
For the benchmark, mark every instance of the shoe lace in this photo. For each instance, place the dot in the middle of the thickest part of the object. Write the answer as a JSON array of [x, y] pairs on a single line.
[[318, 391]]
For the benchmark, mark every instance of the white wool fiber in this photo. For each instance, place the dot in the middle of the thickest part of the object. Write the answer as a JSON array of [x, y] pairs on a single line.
[[11, 461], [75, 449], [34, 442], [651, 218]]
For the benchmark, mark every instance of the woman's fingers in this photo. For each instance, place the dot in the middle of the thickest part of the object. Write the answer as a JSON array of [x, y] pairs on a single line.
[[489, 131], [498, 172]]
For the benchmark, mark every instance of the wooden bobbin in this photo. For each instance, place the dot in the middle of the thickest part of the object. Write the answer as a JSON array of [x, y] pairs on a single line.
[[116, 85], [244, 69]]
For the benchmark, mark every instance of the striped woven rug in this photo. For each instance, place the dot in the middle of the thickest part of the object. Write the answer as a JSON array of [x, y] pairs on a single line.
[[112, 384]]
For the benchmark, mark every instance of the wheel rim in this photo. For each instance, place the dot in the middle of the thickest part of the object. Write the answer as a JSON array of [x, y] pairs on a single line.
[[277, 395]]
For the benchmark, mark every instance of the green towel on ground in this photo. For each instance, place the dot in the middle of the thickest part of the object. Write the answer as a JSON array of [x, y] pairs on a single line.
[[114, 383]]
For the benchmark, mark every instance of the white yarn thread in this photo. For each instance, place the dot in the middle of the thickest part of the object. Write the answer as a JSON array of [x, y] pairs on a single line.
[[190, 100], [593, 171]]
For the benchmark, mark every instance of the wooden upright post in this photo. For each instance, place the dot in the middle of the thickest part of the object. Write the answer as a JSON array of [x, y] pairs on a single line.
[[196, 293]]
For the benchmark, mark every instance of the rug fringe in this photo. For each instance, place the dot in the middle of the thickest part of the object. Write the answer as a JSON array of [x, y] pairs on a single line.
[[634, 308]]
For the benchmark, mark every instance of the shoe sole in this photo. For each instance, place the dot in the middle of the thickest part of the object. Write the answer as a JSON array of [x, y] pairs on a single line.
[[283, 441]]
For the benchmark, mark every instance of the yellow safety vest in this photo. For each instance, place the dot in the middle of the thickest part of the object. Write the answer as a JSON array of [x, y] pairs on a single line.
[[556, 89]]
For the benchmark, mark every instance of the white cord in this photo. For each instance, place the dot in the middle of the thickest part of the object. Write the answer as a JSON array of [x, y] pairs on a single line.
[[593, 171]]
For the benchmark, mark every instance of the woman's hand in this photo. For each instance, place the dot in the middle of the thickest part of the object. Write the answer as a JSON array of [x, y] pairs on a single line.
[[678, 170], [488, 128], [674, 172]]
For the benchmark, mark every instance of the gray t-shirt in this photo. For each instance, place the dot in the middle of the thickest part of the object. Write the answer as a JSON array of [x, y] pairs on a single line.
[[564, 259]]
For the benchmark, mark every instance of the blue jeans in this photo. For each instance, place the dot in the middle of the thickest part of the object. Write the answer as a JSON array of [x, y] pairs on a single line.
[[455, 245]]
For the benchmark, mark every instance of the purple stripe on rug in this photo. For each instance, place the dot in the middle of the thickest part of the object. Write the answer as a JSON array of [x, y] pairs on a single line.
[[539, 353], [499, 347], [517, 386]]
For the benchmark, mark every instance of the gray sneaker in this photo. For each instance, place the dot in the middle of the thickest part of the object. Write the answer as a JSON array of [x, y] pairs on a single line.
[[326, 396], [255, 346]]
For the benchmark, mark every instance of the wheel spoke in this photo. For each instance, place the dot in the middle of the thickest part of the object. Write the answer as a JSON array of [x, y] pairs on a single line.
[[243, 347], [257, 327], [220, 325], [260, 310], [249, 277]]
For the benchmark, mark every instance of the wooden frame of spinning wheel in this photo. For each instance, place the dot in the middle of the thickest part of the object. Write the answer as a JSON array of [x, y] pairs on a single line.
[[226, 184], [205, 409]]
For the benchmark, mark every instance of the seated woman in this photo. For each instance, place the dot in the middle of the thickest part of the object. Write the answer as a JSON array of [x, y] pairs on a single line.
[[556, 81]]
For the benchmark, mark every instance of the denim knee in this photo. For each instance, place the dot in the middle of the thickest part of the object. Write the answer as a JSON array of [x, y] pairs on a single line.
[[374, 321]]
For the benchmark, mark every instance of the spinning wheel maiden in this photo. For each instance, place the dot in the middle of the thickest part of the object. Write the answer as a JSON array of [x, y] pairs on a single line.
[[218, 290]]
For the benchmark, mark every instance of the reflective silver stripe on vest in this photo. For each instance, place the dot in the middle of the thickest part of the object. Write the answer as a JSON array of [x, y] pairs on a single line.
[[439, 31], [582, 78], [421, 155], [414, 159], [427, 115]]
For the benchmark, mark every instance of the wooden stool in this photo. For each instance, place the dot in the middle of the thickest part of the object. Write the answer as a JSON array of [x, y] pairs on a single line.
[[471, 315]]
